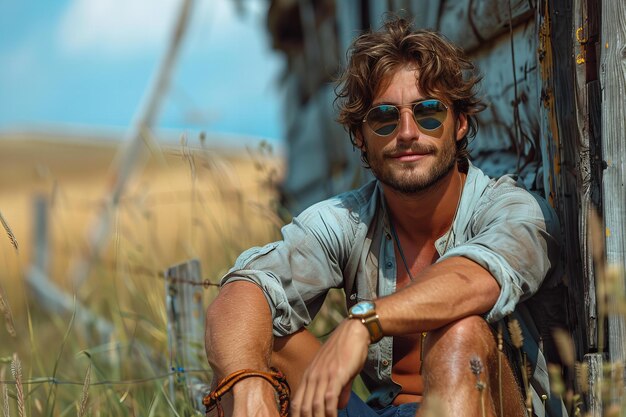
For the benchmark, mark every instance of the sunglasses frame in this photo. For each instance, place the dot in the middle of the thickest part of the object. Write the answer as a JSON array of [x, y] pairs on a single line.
[[400, 106]]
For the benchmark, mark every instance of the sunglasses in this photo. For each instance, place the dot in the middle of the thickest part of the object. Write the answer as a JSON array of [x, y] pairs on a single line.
[[428, 114]]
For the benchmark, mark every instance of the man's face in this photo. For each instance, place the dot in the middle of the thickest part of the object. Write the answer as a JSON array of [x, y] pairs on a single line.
[[410, 160]]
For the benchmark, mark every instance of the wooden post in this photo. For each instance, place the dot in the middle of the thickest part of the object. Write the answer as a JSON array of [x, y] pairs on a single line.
[[130, 156], [594, 381], [49, 296], [481, 20], [563, 149], [613, 81], [185, 329], [40, 235], [585, 33]]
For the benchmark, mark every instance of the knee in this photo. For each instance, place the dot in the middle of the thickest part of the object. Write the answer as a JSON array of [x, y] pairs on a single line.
[[460, 340]]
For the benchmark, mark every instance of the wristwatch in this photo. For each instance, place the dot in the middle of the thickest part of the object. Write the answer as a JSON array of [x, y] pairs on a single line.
[[366, 312]]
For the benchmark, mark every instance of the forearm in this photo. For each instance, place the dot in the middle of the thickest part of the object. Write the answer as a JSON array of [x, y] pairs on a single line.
[[444, 292], [238, 330]]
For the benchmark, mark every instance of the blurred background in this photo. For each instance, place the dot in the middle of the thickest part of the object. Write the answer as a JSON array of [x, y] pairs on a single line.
[[145, 144], [84, 66]]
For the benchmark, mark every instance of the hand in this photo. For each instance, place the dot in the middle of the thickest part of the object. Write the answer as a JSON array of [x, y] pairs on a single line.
[[327, 382], [254, 397]]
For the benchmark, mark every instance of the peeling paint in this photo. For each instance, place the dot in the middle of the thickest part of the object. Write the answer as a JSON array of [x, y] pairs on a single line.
[[582, 41], [546, 63]]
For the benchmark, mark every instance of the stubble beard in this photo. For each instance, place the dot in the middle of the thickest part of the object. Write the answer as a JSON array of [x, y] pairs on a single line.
[[406, 180]]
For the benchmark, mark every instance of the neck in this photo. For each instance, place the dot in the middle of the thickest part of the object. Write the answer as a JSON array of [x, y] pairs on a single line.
[[429, 213]]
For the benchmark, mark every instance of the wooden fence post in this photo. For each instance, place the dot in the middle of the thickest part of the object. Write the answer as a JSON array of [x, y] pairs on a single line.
[[613, 81], [185, 329]]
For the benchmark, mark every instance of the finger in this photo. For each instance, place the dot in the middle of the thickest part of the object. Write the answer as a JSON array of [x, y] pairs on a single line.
[[295, 406], [301, 403], [319, 398], [308, 397], [331, 398]]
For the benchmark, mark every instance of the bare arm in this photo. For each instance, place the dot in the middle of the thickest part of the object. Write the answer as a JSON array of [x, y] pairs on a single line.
[[442, 293], [238, 335]]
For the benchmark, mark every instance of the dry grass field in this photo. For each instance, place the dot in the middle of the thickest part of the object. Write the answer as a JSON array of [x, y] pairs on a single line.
[[188, 201]]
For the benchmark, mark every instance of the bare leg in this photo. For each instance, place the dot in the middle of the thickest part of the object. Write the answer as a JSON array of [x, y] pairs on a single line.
[[292, 355], [450, 385]]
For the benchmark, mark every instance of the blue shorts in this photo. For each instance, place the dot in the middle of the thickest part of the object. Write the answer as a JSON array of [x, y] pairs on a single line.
[[357, 408]]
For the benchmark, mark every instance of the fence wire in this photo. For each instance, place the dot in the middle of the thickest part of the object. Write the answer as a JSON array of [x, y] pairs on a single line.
[[56, 381]]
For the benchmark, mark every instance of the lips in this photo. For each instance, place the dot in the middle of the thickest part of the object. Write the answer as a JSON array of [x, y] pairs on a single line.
[[409, 157], [413, 153], [408, 154]]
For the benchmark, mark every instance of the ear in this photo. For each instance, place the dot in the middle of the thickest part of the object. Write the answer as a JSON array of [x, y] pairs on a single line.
[[358, 139], [461, 126]]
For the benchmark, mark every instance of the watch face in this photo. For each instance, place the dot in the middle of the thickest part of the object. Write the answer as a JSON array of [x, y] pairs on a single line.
[[362, 307]]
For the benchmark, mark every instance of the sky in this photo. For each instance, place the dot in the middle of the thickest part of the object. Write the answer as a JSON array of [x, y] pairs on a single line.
[[86, 65]]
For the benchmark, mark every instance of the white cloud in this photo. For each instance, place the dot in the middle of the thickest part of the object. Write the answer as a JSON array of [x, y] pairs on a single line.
[[116, 26], [131, 27]]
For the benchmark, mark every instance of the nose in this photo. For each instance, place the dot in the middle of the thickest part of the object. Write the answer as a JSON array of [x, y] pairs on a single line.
[[407, 129]]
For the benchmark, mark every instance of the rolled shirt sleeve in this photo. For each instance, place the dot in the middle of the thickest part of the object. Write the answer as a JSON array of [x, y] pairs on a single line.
[[514, 235], [296, 273]]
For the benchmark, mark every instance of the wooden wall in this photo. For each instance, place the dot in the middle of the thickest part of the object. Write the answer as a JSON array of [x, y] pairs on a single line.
[[613, 87], [548, 108]]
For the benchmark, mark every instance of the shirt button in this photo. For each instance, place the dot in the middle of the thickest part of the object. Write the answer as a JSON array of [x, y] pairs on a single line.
[[385, 362], [389, 264]]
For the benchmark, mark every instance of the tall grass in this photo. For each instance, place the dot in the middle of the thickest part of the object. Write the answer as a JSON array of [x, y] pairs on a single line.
[[200, 203], [195, 203]]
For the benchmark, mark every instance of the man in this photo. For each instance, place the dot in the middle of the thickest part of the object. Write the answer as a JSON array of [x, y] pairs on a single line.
[[432, 256]]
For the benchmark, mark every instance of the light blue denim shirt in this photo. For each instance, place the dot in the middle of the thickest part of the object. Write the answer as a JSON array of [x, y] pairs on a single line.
[[345, 242]]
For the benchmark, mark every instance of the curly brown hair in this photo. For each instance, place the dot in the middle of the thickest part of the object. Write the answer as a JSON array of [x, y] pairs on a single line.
[[443, 70]]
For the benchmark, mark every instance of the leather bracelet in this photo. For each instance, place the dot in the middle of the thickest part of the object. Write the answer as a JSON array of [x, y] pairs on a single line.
[[274, 377]]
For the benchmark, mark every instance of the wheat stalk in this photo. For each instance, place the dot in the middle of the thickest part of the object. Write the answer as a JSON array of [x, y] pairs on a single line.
[[16, 371], [5, 395], [516, 334], [84, 400], [517, 339], [5, 401], [565, 347], [6, 311], [582, 376], [9, 231]]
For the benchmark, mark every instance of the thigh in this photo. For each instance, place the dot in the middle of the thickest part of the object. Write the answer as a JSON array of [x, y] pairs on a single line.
[[292, 355]]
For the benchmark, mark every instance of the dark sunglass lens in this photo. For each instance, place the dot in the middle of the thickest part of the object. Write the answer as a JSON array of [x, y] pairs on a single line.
[[383, 119], [430, 114]]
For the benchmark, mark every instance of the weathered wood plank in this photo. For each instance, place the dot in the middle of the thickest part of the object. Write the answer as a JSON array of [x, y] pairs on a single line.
[[582, 35], [561, 146], [613, 80], [507, 142], [139, 140], [470, 23], [594, 362]]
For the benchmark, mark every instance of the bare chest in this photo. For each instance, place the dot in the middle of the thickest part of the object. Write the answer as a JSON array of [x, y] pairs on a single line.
[[414, 258]]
